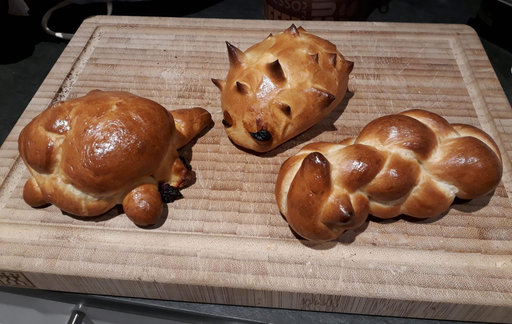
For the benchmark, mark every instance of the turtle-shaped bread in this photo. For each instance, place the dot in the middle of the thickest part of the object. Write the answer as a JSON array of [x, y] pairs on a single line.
[[88, 154], [281, 87]]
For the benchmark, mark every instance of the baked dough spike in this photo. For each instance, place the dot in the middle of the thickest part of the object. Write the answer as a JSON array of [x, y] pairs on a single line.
[[219, 83], [236, 56], [285, 108], [349, 66], [292, 30], [275, 72], [321, 97], [332, 58], [242, 87], [413, 163]]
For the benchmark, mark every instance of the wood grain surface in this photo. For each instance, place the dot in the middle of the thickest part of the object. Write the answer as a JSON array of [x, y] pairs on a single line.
[[226, 241]]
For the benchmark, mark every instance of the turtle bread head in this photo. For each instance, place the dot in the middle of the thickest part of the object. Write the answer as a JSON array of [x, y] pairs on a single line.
[[280, 87]]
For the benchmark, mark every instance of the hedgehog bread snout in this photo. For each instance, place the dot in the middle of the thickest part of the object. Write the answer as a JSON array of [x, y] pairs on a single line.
[[281, 87]]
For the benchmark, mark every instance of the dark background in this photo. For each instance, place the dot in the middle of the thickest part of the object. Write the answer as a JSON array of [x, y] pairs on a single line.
[[27, 54]]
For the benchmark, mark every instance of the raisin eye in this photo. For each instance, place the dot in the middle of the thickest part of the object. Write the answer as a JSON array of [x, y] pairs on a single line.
[[262, 135], [225, 123]]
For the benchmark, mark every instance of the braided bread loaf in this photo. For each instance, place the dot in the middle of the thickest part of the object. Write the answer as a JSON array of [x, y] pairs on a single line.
[[413, 163], [90, 153], [280, 87]]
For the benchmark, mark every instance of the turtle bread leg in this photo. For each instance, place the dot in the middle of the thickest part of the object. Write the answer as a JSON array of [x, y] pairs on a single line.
[[143, 205], [32, 194], [181, 176], [189, 123]]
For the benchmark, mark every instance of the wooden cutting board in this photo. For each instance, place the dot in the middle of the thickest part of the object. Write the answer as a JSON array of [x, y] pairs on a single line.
[[226, 241]]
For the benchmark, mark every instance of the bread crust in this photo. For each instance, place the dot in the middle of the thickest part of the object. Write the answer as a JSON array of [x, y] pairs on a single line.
[[87, 154], [281, 87], [413, 163]]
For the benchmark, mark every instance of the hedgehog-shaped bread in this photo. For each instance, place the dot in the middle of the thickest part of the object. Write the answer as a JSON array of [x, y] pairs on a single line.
[[88, 154], [280, 87]]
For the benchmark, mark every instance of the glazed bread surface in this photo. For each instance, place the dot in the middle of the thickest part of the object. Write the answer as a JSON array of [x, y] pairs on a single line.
[[88, 154], [281, 87], [413, 163]]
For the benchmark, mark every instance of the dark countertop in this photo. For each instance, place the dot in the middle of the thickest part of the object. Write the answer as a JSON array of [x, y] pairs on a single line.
[[30, 54]]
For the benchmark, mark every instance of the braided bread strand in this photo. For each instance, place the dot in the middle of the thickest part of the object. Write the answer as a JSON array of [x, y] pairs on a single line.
[[413, 163]]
